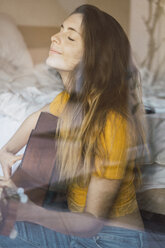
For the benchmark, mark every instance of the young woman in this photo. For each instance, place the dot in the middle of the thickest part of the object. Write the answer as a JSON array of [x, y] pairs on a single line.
[[100, 137]]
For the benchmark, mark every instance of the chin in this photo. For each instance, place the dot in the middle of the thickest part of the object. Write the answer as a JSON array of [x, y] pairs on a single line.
[[58, 65], [50, 62]]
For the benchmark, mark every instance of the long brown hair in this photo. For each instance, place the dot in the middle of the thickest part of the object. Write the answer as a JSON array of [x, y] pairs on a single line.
[[105, 80]]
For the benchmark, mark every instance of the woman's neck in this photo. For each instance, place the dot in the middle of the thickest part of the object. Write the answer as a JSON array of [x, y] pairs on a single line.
[[65, 78]]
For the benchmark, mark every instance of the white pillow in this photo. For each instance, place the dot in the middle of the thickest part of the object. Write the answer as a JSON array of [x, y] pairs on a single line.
[[12, 46]]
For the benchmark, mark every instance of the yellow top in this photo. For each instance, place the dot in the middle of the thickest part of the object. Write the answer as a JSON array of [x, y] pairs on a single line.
[[117, 165]]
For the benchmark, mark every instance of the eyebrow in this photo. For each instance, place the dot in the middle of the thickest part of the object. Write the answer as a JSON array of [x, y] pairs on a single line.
[[70, 28]]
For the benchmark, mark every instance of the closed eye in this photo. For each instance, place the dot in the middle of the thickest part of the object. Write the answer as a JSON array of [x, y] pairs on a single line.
[[70, 39]]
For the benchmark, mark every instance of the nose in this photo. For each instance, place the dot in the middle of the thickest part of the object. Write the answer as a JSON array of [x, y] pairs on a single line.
[[55, 38]]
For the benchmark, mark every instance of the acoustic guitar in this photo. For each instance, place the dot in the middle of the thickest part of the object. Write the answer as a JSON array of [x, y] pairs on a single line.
[[36, 173]]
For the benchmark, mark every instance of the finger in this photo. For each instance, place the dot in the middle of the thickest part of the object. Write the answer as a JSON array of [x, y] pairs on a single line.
[[2, 178], [7, 173], [18, 157], [7, 183], [3, 182]]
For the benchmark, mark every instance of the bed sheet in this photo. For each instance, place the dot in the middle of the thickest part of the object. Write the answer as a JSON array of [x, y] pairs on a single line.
[[22, 93]]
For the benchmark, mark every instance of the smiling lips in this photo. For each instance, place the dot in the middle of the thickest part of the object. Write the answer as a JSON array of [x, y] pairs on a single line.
[[55, 51]]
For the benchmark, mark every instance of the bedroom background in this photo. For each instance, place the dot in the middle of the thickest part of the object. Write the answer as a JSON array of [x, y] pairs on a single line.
[[27, 84]]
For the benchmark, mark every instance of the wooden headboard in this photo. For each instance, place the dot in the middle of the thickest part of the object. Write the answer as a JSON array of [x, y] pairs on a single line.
[[38, 41]]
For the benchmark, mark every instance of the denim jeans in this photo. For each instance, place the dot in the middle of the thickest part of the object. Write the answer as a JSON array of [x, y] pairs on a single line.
[[32, 235]]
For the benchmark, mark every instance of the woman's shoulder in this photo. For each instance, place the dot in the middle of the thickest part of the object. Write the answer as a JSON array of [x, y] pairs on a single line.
[[58, 103], [116, 128], [119, 127], [115, 119]]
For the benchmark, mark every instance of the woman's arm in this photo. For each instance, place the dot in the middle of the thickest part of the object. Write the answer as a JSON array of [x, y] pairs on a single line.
[[78, 224], [101, 195], [18, 141]]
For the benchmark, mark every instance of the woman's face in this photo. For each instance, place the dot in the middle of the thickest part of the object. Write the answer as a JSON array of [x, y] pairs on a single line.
[[66, 49]]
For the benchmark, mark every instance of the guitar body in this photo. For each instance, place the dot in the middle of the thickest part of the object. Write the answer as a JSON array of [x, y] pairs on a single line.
[[37, 170]]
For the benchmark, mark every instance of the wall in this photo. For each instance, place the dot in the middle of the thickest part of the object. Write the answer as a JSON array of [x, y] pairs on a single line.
[[53, 12], [148, 45], [38, 12]]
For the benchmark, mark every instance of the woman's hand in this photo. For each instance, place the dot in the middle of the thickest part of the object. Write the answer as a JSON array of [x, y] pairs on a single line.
[[11, 198], [7, 183], [7, 159]]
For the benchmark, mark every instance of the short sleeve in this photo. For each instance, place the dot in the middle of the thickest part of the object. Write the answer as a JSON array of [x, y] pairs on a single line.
[[115, 141], [57, 105]]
